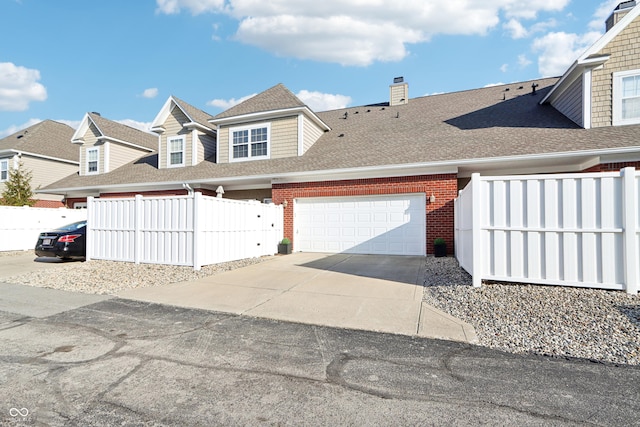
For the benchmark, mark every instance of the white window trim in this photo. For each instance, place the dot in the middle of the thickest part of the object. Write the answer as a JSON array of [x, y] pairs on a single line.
[[97, 171], [4, 169], [249, 128], [169, 152], [617, 98]]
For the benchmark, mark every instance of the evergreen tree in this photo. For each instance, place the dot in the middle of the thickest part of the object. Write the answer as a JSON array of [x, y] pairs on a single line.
[[17, 189]]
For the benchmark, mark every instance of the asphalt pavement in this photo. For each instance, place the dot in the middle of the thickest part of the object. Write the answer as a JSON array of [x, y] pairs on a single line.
[[123, 362]]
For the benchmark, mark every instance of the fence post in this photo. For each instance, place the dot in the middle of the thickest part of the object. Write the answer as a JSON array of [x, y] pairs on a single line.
[[137, 231], [476, 233], [629, 224], [88, 231], [197, 256]]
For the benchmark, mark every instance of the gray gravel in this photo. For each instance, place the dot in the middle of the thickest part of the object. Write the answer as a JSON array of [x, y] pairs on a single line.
[[110, 277], [548, 320]]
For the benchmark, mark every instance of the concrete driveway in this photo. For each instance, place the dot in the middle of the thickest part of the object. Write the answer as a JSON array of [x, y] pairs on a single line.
[[369, 292]]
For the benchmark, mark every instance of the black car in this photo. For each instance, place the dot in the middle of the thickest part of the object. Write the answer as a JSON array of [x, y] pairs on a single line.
[[66, 242]]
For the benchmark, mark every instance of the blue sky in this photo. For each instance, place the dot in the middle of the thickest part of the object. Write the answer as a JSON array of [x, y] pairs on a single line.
[[123, 58]]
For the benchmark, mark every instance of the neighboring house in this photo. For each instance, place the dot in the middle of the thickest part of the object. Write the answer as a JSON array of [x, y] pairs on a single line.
[[44, 150], [382, 178], [106, 145]]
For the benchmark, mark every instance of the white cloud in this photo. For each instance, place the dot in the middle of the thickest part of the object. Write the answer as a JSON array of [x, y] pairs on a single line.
[[225, 104], [559, 50], [523, 61], [152, 92], [602, 13], [359, 32], [19, 86], [319, 101], [144, 126], [504, 68], [494, 84], [515, 28], [15, 128], [73, 123], [196, 7]]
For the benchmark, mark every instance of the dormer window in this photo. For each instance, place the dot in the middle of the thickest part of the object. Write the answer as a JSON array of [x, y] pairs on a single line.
[[92, 160], [176, 151], [4, 170], [626, 97], [249, 143]]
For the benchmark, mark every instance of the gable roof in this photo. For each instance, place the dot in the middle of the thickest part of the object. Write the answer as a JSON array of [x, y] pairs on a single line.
[[195, 115], [48, 139], [276, 101], [591, 58], [496, 127], [115, 131], [275, 98]]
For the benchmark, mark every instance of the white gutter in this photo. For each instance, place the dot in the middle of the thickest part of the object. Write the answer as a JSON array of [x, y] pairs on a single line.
[[448, 166], [41, 156]]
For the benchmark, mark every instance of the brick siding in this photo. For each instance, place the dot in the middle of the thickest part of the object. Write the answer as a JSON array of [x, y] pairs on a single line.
[[440, 215], [612, 167]]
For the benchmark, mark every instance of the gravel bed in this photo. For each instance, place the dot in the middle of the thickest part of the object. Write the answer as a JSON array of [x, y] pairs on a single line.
[[110, 277], [548, 320]]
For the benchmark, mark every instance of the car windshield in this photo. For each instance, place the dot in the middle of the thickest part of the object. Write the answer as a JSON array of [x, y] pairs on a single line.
[[73, 227]]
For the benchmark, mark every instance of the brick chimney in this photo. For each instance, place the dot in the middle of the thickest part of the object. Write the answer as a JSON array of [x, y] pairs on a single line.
[[398, 92], [619, 12]]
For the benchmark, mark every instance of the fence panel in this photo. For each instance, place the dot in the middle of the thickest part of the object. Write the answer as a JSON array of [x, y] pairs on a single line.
[[182, 230], [570, 229], [20, 226]]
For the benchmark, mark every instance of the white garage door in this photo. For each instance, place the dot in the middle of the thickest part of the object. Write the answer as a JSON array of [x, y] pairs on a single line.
[[393, 225]]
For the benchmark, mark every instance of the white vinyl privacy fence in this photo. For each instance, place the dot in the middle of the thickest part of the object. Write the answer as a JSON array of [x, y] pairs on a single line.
[[192, 230], [20, 226], [571, 229]]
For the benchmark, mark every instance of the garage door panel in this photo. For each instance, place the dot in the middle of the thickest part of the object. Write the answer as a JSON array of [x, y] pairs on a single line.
[[390, 224]]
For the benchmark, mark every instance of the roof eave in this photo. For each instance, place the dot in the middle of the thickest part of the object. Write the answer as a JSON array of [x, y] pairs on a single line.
[[272, 114]]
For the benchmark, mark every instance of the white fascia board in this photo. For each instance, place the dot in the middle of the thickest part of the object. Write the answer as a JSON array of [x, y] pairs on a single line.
[[162, 115], [82, 130], [449, 166], [119, 141], [198, 126], [266, 115], [570, 76], [40, 156]]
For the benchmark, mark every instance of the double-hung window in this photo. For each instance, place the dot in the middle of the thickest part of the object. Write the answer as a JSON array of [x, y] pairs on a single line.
[[249, 143], [175, 154], [626, 97], [4, 169], [92, 160]]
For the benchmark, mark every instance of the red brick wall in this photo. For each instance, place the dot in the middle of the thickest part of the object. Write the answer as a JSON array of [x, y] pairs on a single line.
[[48, 204], [612, 167], [440, 220]]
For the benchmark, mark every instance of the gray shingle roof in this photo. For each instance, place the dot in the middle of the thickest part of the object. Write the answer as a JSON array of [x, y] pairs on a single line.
[[122, 132], [276, 98], [47, 138], [455, 127], [197, 115]]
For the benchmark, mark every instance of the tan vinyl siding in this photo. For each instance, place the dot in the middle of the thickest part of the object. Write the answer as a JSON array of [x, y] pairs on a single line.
[[45, 172], [284, 137], [223, 137], [121, 155], [90, 140], [173, 126], [83, 158], [311, 133], [625, 55], [570, 104], [283, 142]]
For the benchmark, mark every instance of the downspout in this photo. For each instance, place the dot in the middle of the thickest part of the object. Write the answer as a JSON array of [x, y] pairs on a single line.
[[187, 187]]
